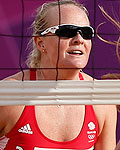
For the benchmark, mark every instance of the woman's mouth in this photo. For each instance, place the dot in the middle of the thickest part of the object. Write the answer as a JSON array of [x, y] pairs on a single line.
[[75, 52]]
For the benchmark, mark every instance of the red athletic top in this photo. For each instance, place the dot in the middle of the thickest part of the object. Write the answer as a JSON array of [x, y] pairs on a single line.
[[26, 135], [33, 75]]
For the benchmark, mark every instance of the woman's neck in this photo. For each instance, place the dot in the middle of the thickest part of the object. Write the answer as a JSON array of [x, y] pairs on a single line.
[[57, 74]]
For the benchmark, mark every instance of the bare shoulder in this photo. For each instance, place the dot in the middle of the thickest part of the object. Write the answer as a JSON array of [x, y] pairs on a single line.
[[106, 109], [8, 110], [105, 113], [86, 76], [18, 76], [9, 115]]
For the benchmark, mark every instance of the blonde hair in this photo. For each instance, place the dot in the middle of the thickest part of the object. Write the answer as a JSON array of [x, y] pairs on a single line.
[[40, 24], [114, 22]]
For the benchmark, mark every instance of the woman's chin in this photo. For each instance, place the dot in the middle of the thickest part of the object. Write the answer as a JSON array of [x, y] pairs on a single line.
[[73, 66]]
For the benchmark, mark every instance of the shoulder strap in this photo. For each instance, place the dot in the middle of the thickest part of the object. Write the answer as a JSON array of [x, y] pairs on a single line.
[[81, 76], [32, 74]]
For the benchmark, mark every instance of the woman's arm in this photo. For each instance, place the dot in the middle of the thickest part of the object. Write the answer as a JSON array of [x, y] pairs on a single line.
[[107, 137], [9, 115], [2, 119]]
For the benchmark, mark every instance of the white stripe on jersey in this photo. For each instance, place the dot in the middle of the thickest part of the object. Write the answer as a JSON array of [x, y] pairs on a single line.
[[36, 148]]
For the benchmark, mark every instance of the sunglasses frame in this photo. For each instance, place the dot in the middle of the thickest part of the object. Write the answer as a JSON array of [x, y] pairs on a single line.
[[53, 29]]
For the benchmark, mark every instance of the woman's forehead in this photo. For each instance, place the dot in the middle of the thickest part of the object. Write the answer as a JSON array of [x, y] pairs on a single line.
[[66, 13]]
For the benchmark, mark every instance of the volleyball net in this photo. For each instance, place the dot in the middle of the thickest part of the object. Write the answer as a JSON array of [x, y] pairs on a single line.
[[59, 92], [15, 35]]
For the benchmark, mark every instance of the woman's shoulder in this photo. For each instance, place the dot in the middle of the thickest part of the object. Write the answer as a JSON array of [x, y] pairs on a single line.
[[105, 111], [18, 76], [86, 76], [9, 115], [106, 114]]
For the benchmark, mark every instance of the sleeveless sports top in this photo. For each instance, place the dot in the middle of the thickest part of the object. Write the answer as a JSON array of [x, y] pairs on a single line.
[[26, 135]]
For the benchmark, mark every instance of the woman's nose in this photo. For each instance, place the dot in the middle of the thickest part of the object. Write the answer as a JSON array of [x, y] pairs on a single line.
[[78, 39]]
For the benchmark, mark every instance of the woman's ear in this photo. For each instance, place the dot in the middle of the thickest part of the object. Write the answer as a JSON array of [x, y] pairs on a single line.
[[39, 43]]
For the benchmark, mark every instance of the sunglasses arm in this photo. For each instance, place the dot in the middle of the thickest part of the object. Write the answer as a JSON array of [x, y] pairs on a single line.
[[51, 30]]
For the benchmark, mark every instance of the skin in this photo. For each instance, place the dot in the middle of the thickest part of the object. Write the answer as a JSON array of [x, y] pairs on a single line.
[[62, 123]]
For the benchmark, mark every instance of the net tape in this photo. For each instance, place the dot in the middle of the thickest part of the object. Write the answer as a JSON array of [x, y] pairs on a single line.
[[60, 92]]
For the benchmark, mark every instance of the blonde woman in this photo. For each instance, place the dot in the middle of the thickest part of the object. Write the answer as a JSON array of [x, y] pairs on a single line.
[[61, 45]]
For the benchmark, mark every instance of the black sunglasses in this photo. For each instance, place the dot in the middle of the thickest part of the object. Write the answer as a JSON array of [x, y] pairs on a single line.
[[69, 31]]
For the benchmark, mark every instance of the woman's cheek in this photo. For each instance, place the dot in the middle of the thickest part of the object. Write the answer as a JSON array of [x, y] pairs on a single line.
[[89, 46]]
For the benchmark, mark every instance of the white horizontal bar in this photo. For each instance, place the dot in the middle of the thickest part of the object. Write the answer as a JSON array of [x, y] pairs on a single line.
[[59, 92], [63, 102]]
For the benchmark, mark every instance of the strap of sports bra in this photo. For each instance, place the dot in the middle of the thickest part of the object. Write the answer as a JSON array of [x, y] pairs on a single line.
[[81, 76], [32, 74]]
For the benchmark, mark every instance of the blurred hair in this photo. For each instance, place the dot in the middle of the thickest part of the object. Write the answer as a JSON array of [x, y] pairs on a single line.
[[112, 76], [114, 22]]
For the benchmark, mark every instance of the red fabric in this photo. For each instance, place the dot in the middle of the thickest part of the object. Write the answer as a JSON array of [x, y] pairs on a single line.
[[32, 74], [26, 134], [80, 76], [84, 141]]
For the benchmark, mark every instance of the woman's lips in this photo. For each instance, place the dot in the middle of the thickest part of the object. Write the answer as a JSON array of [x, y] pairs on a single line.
[[75, 52]]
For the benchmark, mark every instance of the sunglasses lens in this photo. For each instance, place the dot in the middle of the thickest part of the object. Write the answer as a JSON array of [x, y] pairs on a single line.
[[66, 31], [70, 31], [86, 32]]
